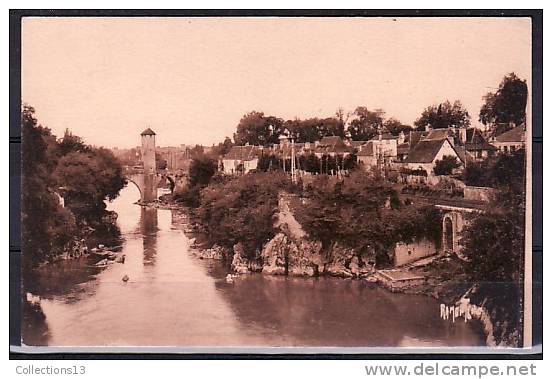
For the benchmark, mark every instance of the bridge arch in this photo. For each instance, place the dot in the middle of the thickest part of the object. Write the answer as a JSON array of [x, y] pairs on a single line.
[[137, 185]]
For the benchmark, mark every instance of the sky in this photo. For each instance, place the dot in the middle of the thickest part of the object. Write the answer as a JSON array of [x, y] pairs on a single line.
[[192, 79]]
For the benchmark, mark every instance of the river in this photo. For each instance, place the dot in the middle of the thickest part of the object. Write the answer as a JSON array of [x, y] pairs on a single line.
[[173, 298]]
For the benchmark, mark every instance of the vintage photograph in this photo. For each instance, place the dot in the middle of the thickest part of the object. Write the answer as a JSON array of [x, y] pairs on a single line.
[[276, 182]]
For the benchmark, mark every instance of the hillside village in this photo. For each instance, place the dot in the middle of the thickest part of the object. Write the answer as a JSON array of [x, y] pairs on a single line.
[[420, 208]]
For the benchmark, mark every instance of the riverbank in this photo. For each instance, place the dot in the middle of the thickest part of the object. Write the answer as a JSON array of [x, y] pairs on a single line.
[[78, 297], [290, 253]]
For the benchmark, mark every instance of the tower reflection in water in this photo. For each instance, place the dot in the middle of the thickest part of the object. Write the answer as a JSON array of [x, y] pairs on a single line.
[[148, 228]]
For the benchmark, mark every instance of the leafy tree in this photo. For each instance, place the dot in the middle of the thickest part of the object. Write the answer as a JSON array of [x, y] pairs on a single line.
[[350, 162], [363, 211], [241, 210], [395, 127], [201, 171], [255, 128], [269, 163], [444, 115], [494, 245], [446, 165], [71, 142], [366, 124], [506, 105], [87, 179], [311, 163], [313, 129], [45, 225], [494, 241], [505, 171]]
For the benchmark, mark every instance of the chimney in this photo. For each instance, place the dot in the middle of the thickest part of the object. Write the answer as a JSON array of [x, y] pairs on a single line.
[[463, 135]]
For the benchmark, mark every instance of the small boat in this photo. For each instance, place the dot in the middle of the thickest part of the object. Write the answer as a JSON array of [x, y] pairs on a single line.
[[229, 278]]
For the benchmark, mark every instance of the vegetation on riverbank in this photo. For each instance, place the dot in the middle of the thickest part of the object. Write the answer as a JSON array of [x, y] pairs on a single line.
[[65, 168]]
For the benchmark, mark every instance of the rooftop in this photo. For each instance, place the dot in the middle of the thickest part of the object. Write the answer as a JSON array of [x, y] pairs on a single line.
[[243, 153], [148, 132], [425, 151], [516, 134]]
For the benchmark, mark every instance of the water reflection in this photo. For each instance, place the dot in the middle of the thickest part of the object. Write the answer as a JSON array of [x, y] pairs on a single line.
[[175, 299], [335, 312], [148, 229]]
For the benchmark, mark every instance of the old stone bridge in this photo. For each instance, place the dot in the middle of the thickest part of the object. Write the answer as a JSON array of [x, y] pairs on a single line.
[[146, 176]]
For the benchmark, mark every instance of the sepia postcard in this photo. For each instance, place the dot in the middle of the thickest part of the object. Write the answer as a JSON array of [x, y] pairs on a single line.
[[219, 184]]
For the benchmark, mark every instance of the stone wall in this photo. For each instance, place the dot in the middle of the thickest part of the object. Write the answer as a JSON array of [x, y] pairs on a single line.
[[485, 194], [409, 252]]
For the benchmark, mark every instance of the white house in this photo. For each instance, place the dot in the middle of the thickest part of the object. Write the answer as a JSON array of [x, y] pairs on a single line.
[[241, 159], [426, 152]]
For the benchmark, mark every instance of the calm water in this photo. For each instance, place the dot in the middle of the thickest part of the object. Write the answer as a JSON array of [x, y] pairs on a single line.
[[175, 299]]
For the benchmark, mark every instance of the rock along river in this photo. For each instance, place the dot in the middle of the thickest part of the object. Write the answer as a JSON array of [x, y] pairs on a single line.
[[175, 299]]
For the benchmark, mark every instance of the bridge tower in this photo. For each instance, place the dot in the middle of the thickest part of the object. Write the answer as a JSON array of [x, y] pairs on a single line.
[[149, 190]]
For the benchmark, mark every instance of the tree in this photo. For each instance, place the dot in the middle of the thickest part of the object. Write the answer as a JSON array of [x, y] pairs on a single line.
[[255, 128], [71, 142], [87, 179], [201, 171], [45, 225], [268, 162], [505, 172], [444, 115], [241, 210], [506, 105], [395, 127], [314, 129], [446, 165], [350, 162], [366, 124]]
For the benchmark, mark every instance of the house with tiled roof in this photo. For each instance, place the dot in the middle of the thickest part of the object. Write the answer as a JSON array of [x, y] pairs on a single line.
[[332, 146], [366, 156], [427, 152], [241, 159], [385, 145], [473, 143], [513, 139]]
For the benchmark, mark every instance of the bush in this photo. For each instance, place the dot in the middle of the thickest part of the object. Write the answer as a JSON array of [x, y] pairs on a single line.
[[362, 211], [446, 165], [242, 210], [202, 170]]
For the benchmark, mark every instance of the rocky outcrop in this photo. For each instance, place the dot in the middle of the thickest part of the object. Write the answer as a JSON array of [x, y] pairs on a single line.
[[284, 255], [347, 262], [291, 252]]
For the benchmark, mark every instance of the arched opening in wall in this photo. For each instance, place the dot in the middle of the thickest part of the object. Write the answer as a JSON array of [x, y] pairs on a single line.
[[448, 237]]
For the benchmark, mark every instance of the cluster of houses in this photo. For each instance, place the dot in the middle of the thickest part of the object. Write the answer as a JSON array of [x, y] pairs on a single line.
[[414, 152]]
